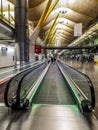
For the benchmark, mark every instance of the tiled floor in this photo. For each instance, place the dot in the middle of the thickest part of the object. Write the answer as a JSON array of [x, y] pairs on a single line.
[[89, 69]]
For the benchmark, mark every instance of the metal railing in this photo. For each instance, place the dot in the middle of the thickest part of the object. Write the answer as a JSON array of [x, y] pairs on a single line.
[[11, 96], [83, 87], [7, 12]]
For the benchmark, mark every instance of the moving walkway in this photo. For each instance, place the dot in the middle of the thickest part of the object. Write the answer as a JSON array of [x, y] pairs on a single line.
[[47, 97], [7, 73], [50, 84]]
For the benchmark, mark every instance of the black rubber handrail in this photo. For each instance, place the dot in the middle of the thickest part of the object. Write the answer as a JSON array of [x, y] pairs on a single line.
[[92, 91], [21, 74], [93, 100], [18, 93], [78, 95]]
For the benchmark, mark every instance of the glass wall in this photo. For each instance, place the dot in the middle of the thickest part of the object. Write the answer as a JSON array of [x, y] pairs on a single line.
[[7, 12]]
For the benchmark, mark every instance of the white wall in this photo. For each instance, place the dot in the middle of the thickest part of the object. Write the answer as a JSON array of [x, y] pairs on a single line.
[[6, 56]]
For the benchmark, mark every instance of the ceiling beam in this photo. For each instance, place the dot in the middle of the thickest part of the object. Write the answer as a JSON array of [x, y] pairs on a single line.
[[66, 47]]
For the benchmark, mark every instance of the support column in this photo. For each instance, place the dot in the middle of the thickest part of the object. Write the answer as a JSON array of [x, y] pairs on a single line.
[[21, 30], [45, 52]]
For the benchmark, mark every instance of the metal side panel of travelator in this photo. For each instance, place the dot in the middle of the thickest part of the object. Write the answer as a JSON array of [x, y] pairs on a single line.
[[81, 86], [20, 86]]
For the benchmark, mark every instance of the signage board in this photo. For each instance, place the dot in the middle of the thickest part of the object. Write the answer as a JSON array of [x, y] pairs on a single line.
[[78, 29]]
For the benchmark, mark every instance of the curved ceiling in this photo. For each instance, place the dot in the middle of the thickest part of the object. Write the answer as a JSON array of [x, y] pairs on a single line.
[[71, 13]]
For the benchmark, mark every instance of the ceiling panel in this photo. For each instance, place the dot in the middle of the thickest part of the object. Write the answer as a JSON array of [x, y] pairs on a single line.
[[71, 12]]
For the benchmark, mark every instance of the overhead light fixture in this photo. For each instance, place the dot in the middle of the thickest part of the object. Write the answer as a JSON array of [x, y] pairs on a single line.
[[63, 11], [59, 28], [61, 22]]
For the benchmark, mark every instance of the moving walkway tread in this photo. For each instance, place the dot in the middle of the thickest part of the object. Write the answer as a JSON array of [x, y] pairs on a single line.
[[54, 89]]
